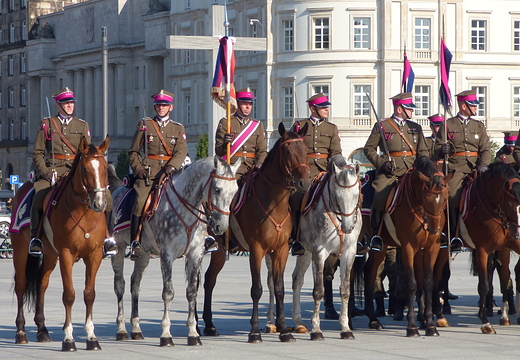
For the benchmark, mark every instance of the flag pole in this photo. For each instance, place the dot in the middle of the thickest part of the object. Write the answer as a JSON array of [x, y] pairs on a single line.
[[228, 115]]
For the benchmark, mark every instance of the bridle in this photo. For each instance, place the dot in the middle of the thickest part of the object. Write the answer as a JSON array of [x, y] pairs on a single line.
[[87, 191]]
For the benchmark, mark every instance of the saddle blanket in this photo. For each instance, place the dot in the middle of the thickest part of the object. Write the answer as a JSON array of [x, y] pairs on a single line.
[[123, 210], [314, 192], [243, 192], [22, 213]]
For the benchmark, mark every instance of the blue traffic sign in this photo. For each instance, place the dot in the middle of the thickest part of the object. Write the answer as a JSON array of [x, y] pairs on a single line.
[[14, 179]]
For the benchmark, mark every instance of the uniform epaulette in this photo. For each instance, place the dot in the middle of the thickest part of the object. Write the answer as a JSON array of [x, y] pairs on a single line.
[[175, 122], [80, 119]]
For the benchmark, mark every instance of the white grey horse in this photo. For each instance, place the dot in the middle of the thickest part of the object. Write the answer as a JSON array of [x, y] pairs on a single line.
[[197, 197], [331, 227]]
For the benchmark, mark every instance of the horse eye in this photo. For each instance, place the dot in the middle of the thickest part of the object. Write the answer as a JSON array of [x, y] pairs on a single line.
[[217, 190]]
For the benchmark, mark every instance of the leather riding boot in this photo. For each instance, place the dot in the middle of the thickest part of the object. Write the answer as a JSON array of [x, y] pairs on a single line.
[[456, 242], [391, 304], [510, 301], [376, 216], [36, 245], [399, 310], [297, 248], [380, 306], [330, 312], [135, 247]]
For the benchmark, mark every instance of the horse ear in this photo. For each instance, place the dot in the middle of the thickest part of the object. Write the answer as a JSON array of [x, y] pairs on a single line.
[[83, 144], [337, 170], [357, 169], [303, 130], [281, 129], [104, 146], [217, 161], [424, 178], [236, 166]]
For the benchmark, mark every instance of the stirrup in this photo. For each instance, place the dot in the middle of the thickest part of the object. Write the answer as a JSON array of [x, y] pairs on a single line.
[[456, 245], [35, 247], [361, 249], [376, 243], [297, 249], [135, 250], [210, 244], [444, 241], [109, 247]]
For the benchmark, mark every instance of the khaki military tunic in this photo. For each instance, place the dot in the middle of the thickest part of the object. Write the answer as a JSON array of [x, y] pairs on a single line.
[[174, 136], [505, 156], [255, 145], [472, 148], [430, 144], [73, 131], [322, 139], [400, 153]]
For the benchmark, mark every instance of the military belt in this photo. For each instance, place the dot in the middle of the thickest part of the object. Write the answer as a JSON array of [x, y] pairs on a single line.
[[244, 154], [160, 157], [318, 156], [401, 153], [63, 157], [466, 153]]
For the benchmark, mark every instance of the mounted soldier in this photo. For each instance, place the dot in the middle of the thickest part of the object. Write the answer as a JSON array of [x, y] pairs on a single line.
[[467, 148], [55, 148], [505, 153], [404, 141], [435, 123], [163, 142]]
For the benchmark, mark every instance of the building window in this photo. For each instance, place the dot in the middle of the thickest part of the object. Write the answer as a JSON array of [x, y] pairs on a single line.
[[23, 129], [481, 96], [516, 36], [361, 102], [23, 61], [188, 4], [11, 65], [323, 89], [187, 109], [11, 130], [516, 101], [478, 34], [24, 30], [288, 35], [11, 5], [321, 33], [254, 112], [187, 58], [23, 96], [136, 77], [422, 100], [287, 102], [422, 33], [362, 33], [1, 35], [11, 33], [0, 99], [23, 3], [11, 97]]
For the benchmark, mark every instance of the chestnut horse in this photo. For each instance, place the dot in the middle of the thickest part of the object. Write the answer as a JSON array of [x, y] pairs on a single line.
[[74, 229], [492, 223], [265, 225], [416, 220]]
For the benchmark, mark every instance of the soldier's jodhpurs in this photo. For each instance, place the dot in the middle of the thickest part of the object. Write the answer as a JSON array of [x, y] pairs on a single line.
[[376, 216]]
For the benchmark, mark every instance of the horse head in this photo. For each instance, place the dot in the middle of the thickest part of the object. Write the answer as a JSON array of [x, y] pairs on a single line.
[[508, 203], [91, 174], [345, 192], [221, 190], [293, 157]]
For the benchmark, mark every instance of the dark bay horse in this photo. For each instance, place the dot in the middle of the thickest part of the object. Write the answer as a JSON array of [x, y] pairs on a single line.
[[75, 229], [492, 223], [264, 226], [414, 224]]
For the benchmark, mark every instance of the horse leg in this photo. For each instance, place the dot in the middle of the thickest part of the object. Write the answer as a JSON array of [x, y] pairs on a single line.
[[346, 263], [318, 261], [167, 296], [504, 275], [279, 261], [483, 289], [419, 294], [441, 274], [193, 263], [216, 264], [68, 298], [140, 265], [92, 264], [20, 284], [370, 272], [255, 262], [429, 260], [48, 265], [118, 262], [270, 327], [407, 258], [302, 264]]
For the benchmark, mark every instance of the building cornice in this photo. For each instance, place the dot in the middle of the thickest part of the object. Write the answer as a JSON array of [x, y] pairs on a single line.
[[74, 54], [479, 11], [360, 9]]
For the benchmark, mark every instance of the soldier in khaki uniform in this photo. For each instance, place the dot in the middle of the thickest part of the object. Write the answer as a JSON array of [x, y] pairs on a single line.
[[49, 141], [505, 153], [247, 135], [435, 123], [467, 146], [165, 142], [403, 150]]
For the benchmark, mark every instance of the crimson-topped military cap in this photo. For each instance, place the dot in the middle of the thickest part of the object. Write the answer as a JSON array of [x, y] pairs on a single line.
[[163, 97], [436, 119], [245, 95], [468, 96], [403, 99], [510, 138], [64, 95], [319, 100]]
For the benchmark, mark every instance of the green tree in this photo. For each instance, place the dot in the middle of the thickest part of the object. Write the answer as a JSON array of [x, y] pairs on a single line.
[[495, 146], [123, 164], [202, 146]]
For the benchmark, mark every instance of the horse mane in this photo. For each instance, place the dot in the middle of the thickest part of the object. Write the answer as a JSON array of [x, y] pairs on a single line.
[[341, 163], [276, 147], [424, 165], [506, 171]]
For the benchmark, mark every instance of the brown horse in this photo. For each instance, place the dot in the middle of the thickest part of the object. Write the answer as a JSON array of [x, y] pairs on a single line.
[[75, 228], [492, 223], [265, 225], [416, 221]]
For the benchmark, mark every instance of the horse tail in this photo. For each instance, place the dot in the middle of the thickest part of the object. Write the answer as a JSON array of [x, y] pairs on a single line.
[[358, 275], [473, 259], [33, 277]]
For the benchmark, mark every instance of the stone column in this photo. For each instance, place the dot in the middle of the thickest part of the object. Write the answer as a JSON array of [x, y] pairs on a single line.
[[98, 100], [120, 97], [88, 100], [69, 80], [79, 94], [111, 101]]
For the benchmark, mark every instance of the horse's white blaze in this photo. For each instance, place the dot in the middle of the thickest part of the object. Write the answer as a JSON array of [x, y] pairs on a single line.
[[438, 199], [96, 165]]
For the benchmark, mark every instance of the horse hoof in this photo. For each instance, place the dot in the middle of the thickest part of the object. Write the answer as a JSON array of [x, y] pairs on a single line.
[[211, 331], [487, 329], [43, 336], [301, 329], [93, 345], [431, 331], [68, 346], [254, 338], [413, 332], [286, 337], [317, 336], [166, 342], [122, 336], [21, 338], [375, 325], [505, 322], [442, 323], [270, 329], [347, 335], [194, 341], [137, 336]]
